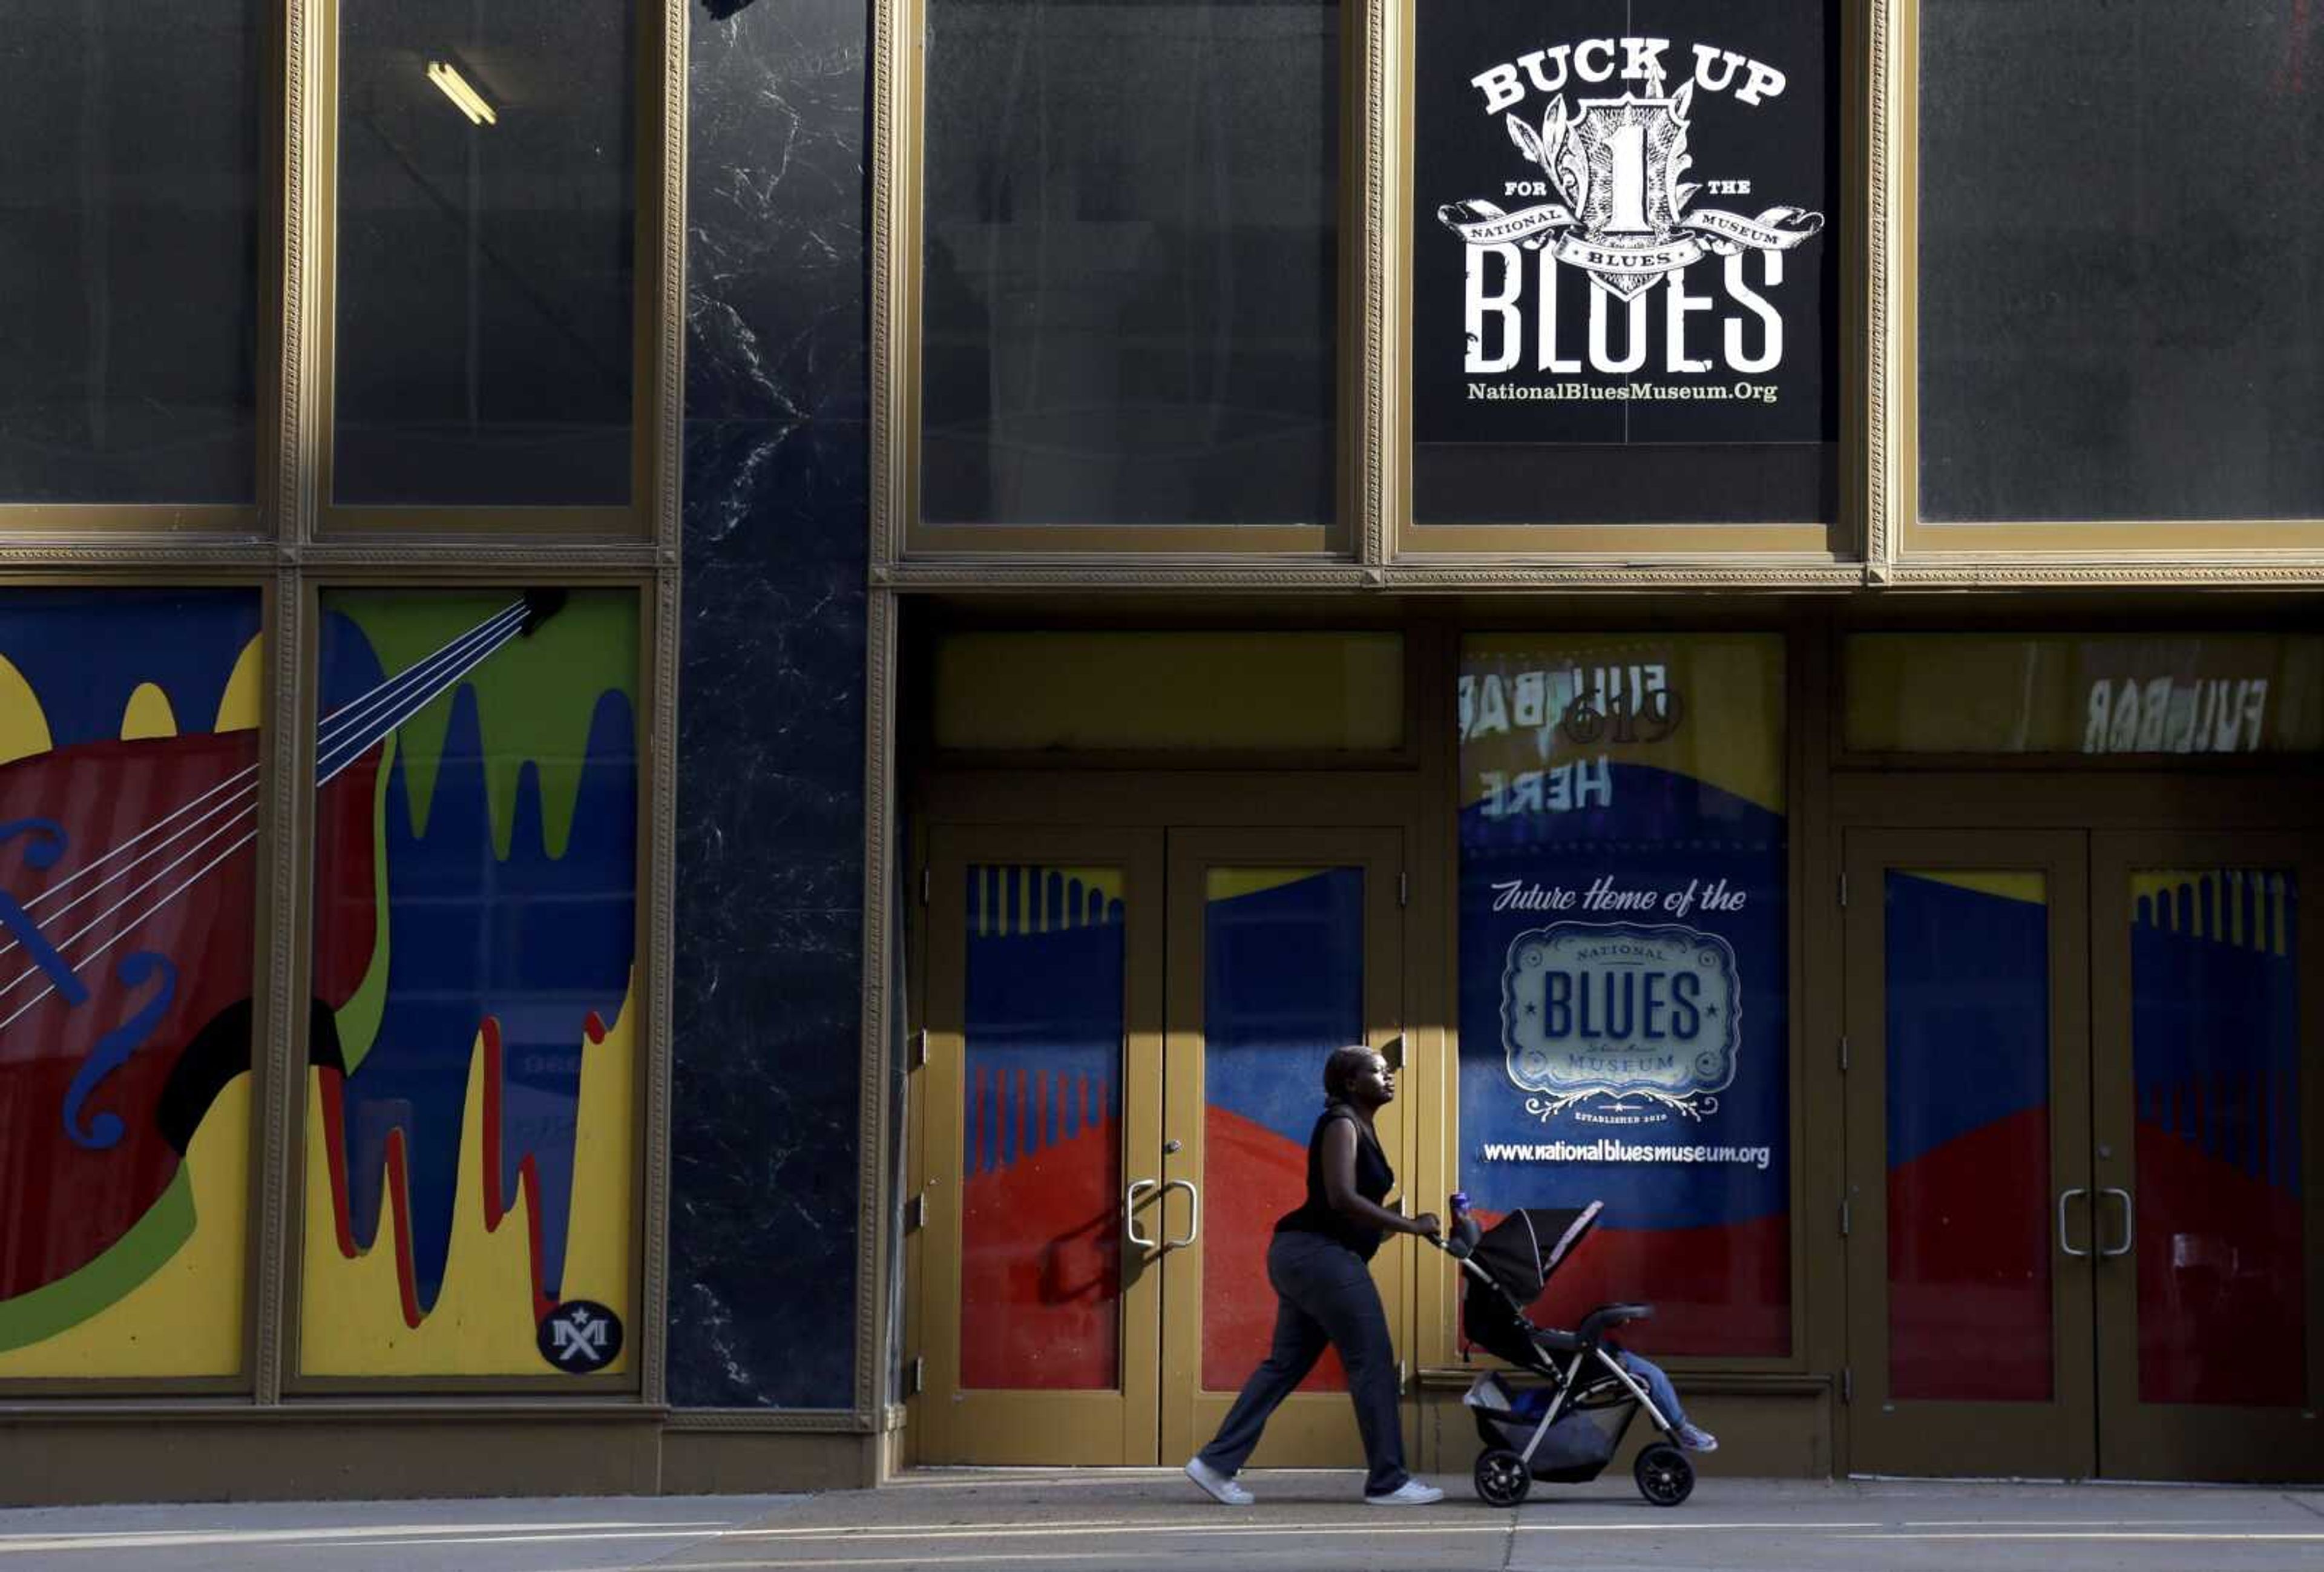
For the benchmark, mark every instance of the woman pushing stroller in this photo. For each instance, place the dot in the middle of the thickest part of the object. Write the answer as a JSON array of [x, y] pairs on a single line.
[[1318, 1263]]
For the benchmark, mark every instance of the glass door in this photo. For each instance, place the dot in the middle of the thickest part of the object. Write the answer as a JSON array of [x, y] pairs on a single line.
[[1970, 1217], [2209, 1263], [1038, 1297], [1284, 944], [1125, 1053]]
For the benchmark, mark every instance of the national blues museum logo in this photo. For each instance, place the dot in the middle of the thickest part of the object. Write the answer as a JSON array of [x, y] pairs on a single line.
[[1623, 1023], [1626, 236], [1616, 163]]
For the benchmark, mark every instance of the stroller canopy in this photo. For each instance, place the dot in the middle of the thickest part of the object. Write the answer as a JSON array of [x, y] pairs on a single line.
[[1525, 1249]]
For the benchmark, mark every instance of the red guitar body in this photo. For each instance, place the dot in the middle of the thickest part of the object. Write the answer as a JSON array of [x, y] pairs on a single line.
[[185, 893]]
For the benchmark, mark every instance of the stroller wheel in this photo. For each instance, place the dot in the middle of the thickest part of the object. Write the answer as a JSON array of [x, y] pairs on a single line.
[[1665, 1477], [1502, 1477]]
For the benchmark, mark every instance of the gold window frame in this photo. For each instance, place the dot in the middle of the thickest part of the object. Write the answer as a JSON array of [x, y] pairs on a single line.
[[1798, 639], [1374, 541], [279, 549], [268, 1004], [1904, 547], [1878, 539], [26, 526], [1791, 553], [899, 187], [296, 348], [645, 1327], [656, 386], [282, 942]]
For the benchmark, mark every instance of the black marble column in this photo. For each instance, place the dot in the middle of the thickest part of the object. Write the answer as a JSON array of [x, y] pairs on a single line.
[[770, 736]]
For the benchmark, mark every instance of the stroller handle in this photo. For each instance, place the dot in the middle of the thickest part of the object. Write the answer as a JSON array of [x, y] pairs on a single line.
[[1459, 1251]]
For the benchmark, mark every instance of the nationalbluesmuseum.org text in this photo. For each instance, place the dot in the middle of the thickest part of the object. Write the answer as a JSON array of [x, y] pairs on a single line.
[[1611, 1151], [1760, 392]]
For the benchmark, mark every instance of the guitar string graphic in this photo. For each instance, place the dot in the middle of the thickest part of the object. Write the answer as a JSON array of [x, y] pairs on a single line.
[[346, 734]]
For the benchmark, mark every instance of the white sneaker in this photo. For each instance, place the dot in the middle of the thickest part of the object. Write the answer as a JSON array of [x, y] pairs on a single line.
[[1220, 1487], [1411, 1493]]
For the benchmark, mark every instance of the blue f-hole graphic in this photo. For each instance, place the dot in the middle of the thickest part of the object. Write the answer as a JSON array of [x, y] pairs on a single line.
[[115, 1048]]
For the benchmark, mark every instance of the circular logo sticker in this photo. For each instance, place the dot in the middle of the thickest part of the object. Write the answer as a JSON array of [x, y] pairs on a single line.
[[580, 1336]]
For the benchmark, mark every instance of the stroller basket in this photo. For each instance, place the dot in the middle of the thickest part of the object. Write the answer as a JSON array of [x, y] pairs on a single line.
[[1573, 1450]]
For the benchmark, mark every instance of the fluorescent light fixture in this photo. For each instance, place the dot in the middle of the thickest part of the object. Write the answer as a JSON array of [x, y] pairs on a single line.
[[466, 98]]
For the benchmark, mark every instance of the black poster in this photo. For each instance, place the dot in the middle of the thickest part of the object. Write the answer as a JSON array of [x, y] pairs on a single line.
[[1624, 228]]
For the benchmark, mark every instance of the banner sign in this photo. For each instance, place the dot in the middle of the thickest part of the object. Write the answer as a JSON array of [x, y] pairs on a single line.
[[1622, 235], [1624, 965]]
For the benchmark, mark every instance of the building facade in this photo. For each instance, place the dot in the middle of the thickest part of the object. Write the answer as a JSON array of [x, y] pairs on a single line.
[[708, 711]]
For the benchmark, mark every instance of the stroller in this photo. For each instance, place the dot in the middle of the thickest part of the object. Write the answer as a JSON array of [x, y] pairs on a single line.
[[1567, 1431]]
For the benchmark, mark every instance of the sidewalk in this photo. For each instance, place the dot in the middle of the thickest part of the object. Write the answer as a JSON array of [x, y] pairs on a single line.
[[1154, 1521]]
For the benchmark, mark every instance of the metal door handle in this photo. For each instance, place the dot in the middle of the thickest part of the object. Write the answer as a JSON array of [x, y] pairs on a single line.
[[2065, 1243], [2129, 1223], [1195, 1225], [1130, 1213]]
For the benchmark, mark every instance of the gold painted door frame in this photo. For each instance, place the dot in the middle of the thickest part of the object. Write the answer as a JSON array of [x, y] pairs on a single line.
[[2143, 1434], [2049, 1440], [2105, 1416], [956, 1423], [1310, 1429], [1157, 1410]]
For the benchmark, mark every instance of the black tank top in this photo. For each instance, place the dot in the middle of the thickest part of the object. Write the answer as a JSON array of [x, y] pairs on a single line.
[[1374, 1179]]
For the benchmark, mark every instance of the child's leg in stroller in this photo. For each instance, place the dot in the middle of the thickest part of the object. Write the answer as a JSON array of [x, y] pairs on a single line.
[[1658, 1386]]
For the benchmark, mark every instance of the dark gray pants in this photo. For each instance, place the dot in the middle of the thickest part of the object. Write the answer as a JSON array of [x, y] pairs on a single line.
[[1324, 1294]]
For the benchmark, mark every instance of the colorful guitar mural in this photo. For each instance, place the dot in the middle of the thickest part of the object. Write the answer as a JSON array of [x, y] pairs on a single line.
[[128, 809], [470, 1142], [476, 833]]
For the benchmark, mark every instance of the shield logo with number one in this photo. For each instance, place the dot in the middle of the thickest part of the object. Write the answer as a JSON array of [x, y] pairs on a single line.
[[1634, 150], [1628, 145], [1616, 170]]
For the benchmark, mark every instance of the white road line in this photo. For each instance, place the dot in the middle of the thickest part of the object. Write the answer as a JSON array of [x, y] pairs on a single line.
[[1002, 1531], [2143, 1536], [951, 1559], [351, 1539], [1498, 1525], [1048, 1525], [2065, 1523]]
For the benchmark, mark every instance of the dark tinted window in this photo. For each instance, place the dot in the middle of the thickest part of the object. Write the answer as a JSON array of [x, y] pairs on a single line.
[[129, 251], [2122, 299], [1129, 294], [487, 202]]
